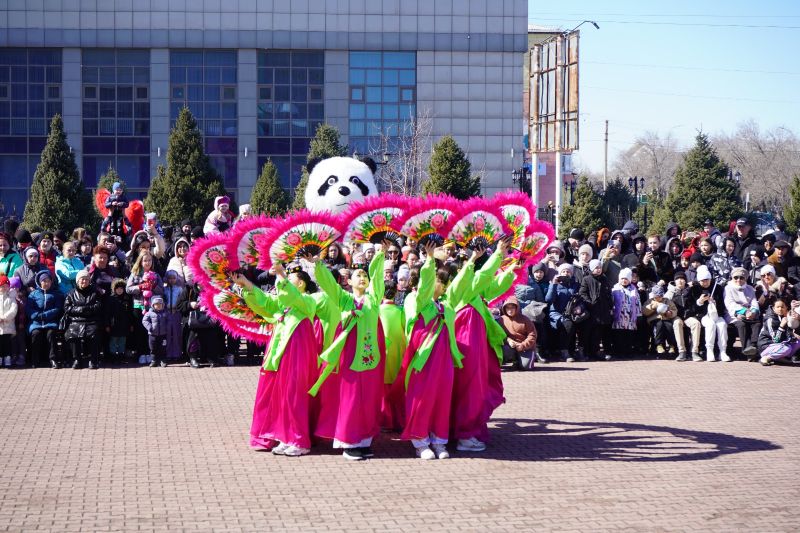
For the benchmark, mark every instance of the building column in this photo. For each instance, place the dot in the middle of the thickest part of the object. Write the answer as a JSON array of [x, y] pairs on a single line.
[[159, 108], [337, 92], [72, 103], [247, 92]]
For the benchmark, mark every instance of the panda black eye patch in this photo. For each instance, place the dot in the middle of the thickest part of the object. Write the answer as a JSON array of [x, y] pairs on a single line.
[[323, 189], [358, 183]]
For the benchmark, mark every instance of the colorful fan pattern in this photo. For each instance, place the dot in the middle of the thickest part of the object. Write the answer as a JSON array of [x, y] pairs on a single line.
[[208, 260], [518, 211], [244, 239], [477, 224], [302, 233], [426, 219], [371, 220], [231, 311]]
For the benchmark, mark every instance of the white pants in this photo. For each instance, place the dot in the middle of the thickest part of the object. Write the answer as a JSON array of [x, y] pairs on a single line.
[[694, 328], [432, 439], [716, 328], [363, 444]]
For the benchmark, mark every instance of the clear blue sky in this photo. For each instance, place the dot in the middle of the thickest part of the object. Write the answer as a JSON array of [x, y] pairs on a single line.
[[679, 66]]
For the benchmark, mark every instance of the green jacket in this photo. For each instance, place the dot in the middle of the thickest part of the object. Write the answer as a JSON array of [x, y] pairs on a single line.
[[285, 311], [364, 320], [10, 263], [420, 304]]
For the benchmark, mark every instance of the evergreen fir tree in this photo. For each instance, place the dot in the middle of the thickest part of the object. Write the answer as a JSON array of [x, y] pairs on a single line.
[[701, 190], [107, 181], [618, 197], [58, 198], [449, 171], [187, 186], [325, 144], [268, 197], [791, 210], [587, 212]]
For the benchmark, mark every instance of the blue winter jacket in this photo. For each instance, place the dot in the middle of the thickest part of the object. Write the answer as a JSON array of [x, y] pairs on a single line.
[[44, 309], [558, 296]]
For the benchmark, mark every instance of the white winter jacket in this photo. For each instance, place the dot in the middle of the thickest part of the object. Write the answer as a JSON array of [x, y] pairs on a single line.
[[8, 312]]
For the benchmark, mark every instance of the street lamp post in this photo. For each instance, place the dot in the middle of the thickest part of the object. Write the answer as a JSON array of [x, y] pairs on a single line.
[[522, 178], [569, 188], [637, 185]]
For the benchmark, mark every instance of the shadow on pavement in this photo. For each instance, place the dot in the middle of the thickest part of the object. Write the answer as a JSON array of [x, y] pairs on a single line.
[[556, 440]]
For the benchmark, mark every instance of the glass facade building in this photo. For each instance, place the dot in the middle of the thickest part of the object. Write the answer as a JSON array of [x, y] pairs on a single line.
[[259, 78]]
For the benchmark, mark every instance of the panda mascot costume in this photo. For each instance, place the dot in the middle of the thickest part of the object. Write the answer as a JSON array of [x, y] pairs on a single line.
[[336, 182]]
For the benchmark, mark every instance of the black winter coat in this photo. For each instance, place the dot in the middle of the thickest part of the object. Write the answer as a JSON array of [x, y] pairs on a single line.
[[84, 311], [596, 292]]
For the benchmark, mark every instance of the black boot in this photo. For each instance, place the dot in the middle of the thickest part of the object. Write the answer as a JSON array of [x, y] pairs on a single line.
[[154, 363]]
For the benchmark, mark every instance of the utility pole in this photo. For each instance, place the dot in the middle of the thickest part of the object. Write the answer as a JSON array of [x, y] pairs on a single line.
[[605, 160]]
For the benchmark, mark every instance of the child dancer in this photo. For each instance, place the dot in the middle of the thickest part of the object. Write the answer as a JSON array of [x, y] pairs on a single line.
[[358, 353], [429, 362], [392, 321], [283, 409]]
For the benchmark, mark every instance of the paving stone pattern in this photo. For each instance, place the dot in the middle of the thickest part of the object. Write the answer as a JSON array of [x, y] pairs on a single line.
[[620, 446]]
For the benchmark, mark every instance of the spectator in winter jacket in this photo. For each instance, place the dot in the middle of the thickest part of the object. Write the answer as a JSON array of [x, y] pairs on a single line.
[[781, 259], [742, 311], [595, 291], [28, 270], [173, 292], [67, 267], [520, 335], [24, 241], [655, 265], [102, 274], [559, 293], [178, 262], [535, 291], [713, 233], [781, 325], [679, 293], [44, 308], [611, 258], [85, 246], [724, 261], [10, 260], [745, 241], [83, 309], [660, 313], [585, 254], [639, 245], [627, 309], [554, 258], [8, 314], [143, 284], [708, 304], [155, 323], [120, 320], [47, 254], [675, 249]]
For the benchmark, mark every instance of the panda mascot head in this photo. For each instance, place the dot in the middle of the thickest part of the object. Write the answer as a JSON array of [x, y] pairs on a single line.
[[336, 182]]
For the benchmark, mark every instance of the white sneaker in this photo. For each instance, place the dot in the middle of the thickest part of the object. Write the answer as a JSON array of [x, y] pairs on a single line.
[[142, 359], [441, 451], [710, 356], [7, 361], [295, 451], [470, 445], [280, 449], [424, 452], [724, 358]]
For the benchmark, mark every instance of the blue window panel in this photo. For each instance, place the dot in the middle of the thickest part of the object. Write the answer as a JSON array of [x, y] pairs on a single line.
[[90, 127], [228, 75], [264, 128], [229, 127], [175, 109], [283, 169], [390, 77], [299, 127], [281, 93], [13, 56], [365, 59], [125, 109], [141, 127], [373, 94], [177, 75], [212, 93], [357, 127], [265, 111], [211, 110], [357, 94], [5, 109], [13, 145], [186, 57], [89, 173], [107, 75], [374, 129], [281, 75], [98, 145], [19, 91], [228, 110], [4, 75], [212, 75], [265, 75], [399, 59], [13, 171], [194, 75], [19, 126], [107, 93], [53, 108], [36, 92], [144, 171], [220, 58], [44, 57], [316, 76], [19, 109], [358, 77], [275, 145], [133, 145], [107, 109], [407, 112], [194, 93], [133, 57], [36, 145], [35, 109], [212, 127], [316, 111], [5, 126], [141, 75], [374, 111], [390, 112], [301, 145], [90, 75], [299, 76], [220, 145], [14, 200], [124, 75], [98, 56], [357, 111], [373, 77], [273, 59], [53, 74], [300, 94], [128, 169], [35, 74], [19, 74], [125, 92], [125, 127], [390, 94], [107, 126], [37, 126], [408, 77]]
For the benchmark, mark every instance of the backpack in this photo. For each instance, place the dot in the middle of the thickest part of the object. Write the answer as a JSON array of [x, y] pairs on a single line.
[[576, 310]]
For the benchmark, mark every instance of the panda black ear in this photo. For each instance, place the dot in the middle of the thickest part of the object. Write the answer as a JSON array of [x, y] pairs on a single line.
[[370, 163], [311, 164]]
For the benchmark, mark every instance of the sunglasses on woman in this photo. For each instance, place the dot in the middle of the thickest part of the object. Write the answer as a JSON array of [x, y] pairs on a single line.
[[738, 277]]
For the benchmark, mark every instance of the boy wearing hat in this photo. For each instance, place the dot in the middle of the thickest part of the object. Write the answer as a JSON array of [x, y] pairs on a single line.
[[660, 313], [155, 322], [44, 309]]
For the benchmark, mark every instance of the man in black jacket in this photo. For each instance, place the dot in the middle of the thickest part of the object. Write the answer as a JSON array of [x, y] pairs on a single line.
[[679, 294], [745, 241], [596, 292]]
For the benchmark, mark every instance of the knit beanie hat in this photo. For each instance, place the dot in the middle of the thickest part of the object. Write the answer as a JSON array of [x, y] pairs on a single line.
[[703, 273], [23, 236], [586, 249], [594, 263], [626, 273]]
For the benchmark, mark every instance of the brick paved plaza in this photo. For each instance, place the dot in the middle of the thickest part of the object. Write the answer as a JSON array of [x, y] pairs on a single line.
[[637, 446]]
